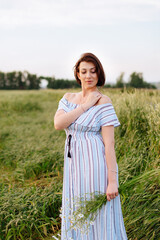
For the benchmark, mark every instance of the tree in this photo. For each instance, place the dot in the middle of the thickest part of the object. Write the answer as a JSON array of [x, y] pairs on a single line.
[[136, 80], [34, 81], [2, 80], [20, 80], [61, 83], [119, 81]]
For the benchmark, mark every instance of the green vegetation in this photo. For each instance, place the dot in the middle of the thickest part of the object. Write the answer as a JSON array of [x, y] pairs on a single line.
[[19, 80], [62, 83], [135, 81], [25, 80], [31, 162]]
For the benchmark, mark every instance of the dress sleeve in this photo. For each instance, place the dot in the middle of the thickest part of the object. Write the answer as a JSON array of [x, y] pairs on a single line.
[[108, 116], [62, 105]]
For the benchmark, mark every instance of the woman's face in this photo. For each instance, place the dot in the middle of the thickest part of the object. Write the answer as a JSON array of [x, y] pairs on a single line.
[[87, 74]]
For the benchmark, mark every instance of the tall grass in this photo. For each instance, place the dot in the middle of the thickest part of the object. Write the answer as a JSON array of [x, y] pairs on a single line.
[[138, 154], [29, 212], [31, 162]]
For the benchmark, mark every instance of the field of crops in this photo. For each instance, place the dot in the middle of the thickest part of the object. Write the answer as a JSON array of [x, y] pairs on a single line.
[[31, 162]]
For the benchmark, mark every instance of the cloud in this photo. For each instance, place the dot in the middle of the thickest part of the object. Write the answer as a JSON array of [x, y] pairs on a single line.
[[72, 12]]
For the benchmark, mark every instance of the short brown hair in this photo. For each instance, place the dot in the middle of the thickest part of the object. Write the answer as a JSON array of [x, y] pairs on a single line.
[[90, 57]]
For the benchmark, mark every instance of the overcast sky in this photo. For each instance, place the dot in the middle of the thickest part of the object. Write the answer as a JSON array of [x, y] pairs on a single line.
[[47, 37]]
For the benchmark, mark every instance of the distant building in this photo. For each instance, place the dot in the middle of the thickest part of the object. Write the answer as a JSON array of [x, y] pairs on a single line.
[[43, 84]]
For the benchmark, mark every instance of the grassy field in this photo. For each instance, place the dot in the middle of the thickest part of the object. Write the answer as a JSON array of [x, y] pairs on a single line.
[[31, 162]]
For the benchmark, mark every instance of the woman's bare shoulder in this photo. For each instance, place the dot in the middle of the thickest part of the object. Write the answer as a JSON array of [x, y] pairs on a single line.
[[104, 99], [69, 95]]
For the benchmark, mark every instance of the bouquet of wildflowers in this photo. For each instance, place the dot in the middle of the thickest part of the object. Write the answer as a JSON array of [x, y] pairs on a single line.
[[86, 210]]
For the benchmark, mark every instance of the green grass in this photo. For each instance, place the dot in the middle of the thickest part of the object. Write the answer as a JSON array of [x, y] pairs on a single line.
[[31, 162]]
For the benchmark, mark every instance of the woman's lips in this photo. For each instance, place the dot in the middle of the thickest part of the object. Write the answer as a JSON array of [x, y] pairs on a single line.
[[89, 81]]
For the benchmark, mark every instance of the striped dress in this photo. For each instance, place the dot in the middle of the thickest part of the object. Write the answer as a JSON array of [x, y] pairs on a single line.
[[85, 171]]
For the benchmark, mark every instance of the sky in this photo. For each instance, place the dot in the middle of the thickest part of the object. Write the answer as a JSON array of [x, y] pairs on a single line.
[[47, 37]]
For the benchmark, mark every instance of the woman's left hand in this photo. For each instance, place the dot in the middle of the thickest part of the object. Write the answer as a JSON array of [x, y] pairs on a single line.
[[111, 191]]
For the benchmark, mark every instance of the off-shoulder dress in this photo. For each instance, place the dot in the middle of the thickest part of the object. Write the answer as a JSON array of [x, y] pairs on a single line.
[[85, 171]]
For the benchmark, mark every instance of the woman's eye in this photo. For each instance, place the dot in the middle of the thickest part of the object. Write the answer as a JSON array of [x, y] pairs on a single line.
[[83, 72]]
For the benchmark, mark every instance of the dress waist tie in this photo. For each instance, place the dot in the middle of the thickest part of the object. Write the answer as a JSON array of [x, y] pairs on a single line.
[[69, 145]]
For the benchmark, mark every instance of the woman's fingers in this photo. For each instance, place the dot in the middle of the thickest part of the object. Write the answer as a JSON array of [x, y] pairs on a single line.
[[108, 198], [111, 191], [111, 196]]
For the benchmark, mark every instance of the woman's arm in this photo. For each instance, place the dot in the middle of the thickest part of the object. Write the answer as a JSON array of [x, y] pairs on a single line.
[[63, 120], [108, 139]]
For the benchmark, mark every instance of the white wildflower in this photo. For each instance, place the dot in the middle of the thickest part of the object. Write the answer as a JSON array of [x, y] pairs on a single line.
[[54, 237], [77, 205], [80, 215], [72, 218], [91, 223]]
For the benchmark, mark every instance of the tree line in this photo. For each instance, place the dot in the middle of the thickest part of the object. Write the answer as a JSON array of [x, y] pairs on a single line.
[[19, 80], [25, 80], [135, 80]]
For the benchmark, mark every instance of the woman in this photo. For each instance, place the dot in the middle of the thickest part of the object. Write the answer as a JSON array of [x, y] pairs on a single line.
[[88, 118]]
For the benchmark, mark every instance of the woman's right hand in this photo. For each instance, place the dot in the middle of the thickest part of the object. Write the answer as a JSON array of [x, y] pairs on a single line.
[[92, 99]]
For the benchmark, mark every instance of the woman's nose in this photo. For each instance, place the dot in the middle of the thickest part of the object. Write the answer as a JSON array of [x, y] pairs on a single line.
[[88, 74]]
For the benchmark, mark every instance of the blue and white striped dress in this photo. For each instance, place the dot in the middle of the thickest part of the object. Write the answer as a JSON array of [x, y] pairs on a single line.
[[85, 171]]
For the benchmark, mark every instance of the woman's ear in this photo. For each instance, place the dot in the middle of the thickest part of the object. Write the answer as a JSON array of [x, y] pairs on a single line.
[[78, 75]]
